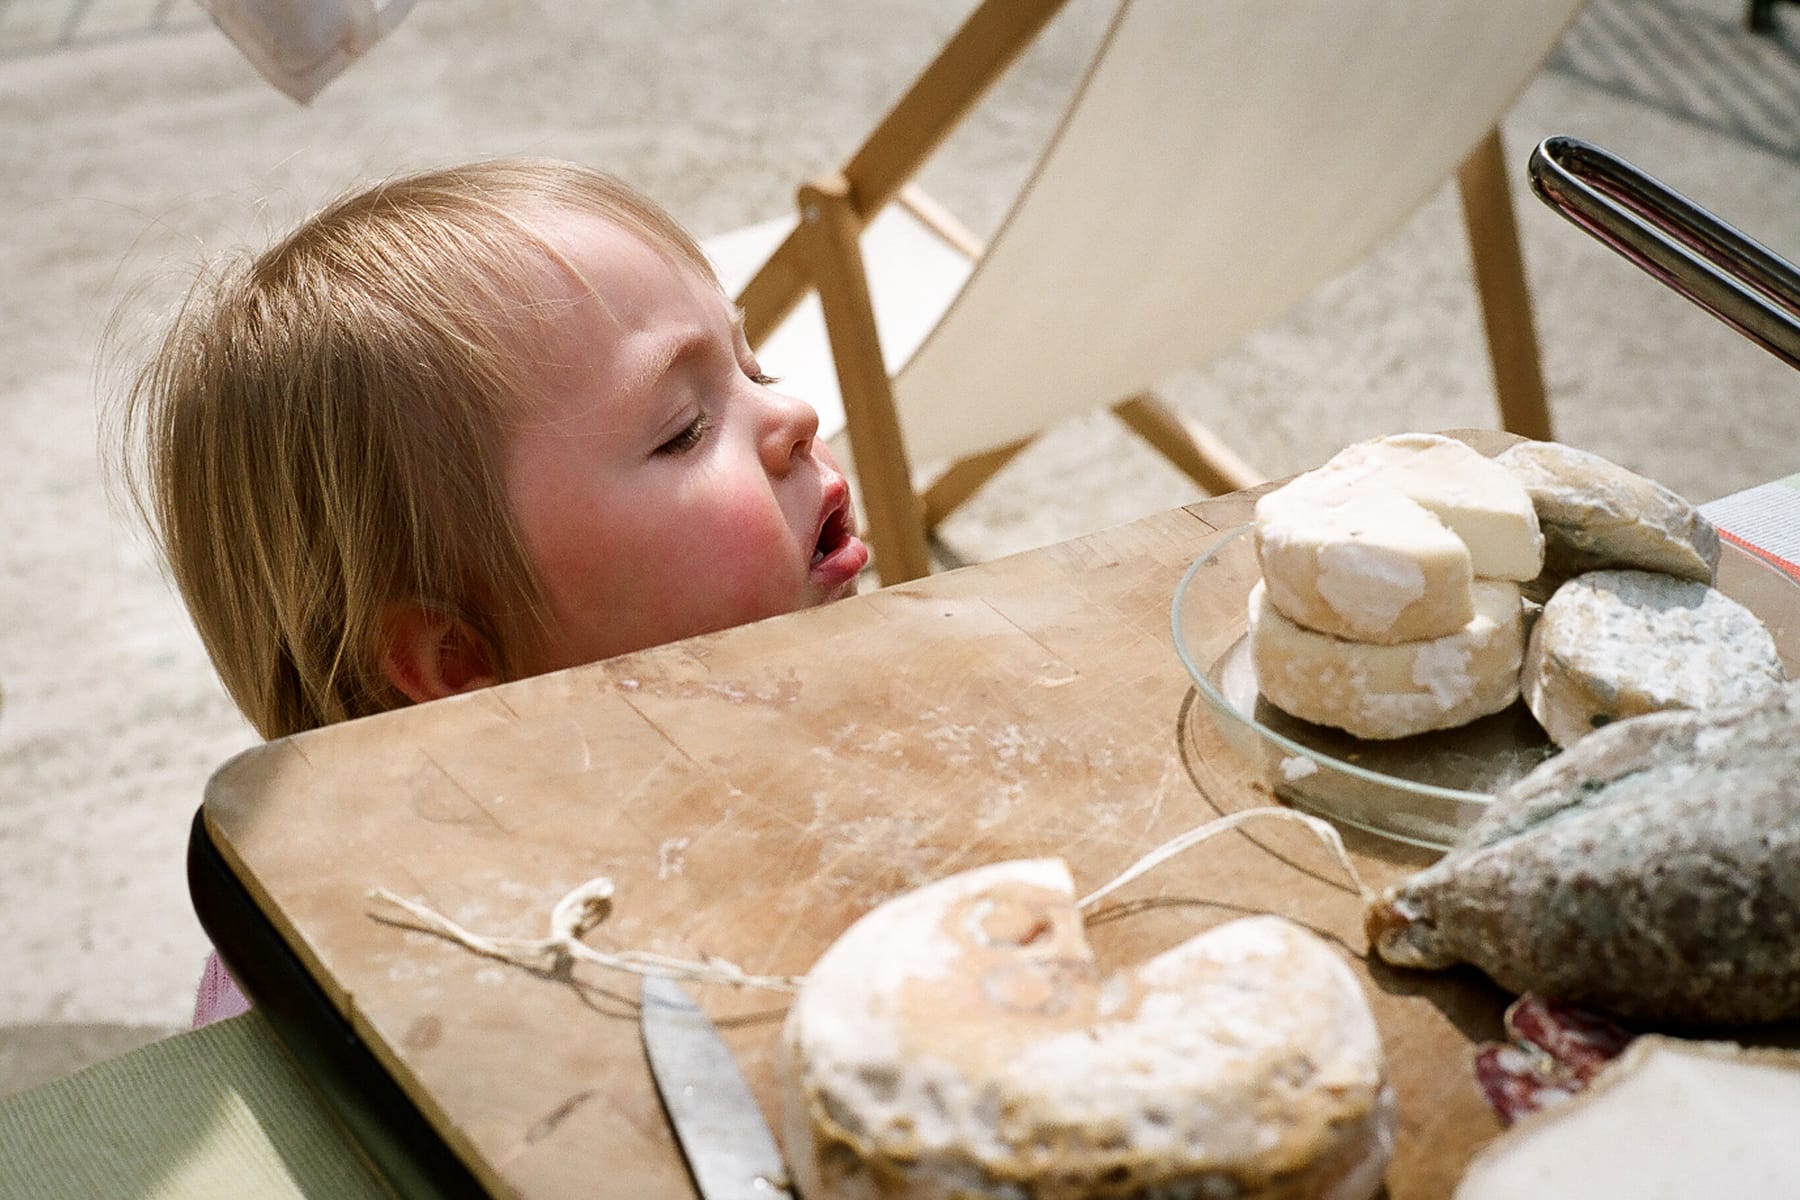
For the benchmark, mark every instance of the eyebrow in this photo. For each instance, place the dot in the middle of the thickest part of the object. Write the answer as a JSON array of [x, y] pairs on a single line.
[[673, 352], [664, 357]]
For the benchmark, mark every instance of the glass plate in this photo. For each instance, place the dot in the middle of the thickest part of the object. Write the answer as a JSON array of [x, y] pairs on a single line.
[[1422, 790]]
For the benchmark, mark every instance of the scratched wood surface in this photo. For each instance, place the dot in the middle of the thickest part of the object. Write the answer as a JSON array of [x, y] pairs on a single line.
[[752, 793]]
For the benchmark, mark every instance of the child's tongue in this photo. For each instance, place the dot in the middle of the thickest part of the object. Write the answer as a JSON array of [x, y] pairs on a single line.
[[830, 537]]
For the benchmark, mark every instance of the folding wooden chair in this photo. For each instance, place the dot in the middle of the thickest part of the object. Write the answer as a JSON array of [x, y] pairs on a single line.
[[1218, 162]]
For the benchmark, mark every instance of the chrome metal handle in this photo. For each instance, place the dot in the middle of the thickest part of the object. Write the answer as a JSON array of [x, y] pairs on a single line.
[[1676, 241]]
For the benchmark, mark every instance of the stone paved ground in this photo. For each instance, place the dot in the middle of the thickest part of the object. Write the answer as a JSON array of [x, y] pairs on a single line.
[[30, 27], [1703, 69]]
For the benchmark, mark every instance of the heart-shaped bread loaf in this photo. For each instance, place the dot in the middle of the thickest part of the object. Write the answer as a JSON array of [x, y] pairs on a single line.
[[959, 1040]]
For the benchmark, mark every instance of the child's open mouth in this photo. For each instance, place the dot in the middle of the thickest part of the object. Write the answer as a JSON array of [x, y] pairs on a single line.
[[838, 555], [832, 535]]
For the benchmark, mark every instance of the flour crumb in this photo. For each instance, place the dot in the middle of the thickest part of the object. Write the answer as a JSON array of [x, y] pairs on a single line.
[[669, 857], [1296, 767]]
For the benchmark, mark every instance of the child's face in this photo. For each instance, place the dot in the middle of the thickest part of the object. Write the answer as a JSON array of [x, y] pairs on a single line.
[[660, 488]]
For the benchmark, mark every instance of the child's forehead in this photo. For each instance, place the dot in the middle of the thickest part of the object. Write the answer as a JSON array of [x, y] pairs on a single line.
[[578, 272], [612, 302], [585, 248]]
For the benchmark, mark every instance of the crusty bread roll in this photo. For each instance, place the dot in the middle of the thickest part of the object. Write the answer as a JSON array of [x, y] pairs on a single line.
[[960, 1041], [1596, 515]]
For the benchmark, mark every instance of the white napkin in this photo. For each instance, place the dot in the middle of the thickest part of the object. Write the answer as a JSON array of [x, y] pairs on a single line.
[[302, 45], [1766, 517]]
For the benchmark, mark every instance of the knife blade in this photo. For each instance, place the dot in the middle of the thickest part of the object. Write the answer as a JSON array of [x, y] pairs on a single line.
[[728, 1147]]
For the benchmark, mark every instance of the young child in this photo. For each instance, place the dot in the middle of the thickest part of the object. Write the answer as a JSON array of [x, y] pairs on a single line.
[[468, 426]]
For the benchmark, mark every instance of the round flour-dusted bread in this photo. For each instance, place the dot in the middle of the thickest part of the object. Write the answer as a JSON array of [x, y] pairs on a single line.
[[960, 1041], [1616, 644], [1596, 515]]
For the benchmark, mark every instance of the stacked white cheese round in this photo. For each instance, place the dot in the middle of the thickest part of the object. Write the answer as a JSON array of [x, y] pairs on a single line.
[[1390, 598], [960, 1041], [1389, 603]]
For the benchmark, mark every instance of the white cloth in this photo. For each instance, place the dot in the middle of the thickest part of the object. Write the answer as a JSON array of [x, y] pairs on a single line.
[[1766, 517], [302, 45]]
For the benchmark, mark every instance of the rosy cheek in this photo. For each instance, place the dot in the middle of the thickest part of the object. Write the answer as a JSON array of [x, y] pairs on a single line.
[[755, 545]]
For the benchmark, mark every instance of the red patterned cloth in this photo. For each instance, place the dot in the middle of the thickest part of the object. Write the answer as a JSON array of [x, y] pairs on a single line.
[[218, 996]]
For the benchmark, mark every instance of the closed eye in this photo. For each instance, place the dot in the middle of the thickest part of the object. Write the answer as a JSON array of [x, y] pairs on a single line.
[[761, 380], [690, 437]]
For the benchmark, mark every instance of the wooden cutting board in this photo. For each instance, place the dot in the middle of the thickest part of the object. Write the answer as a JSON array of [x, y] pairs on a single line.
[[752, 793]]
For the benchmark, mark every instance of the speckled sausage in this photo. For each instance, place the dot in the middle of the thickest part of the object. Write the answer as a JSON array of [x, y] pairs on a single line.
[[1652, 871]]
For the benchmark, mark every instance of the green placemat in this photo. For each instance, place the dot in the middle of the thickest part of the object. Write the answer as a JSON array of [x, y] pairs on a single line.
[[219, 1112]]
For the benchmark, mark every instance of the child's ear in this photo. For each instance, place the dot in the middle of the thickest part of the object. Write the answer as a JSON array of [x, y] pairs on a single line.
[[427, 654]]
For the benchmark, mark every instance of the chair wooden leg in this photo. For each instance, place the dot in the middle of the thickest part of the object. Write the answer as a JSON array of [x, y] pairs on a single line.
[[988, 42], [964, 477], [940, 221], [1194, 450], [1500, 282], [831, 231]]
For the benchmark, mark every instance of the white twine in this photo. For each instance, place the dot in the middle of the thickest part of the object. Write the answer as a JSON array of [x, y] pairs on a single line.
[[586, 905], [1200, 833], [574, 915]]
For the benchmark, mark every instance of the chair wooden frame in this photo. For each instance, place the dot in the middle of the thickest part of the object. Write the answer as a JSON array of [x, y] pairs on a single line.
[[823, 253]]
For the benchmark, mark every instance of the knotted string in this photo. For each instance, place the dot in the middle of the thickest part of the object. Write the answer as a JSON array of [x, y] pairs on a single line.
[[585, 906], [574, 915]]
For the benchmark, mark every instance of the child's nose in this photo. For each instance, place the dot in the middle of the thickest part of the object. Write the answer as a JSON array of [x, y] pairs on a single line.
[[788, 431]]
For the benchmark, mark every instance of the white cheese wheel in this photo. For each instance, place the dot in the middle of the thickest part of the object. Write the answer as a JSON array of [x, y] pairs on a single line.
[[959, 1040], [1616, 644], [1668, 1120], [1395, 691], [1384, 542], [1364, 564], [1596, 515]]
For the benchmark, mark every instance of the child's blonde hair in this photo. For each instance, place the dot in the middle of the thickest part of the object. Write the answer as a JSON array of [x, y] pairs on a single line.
[[317, 434]]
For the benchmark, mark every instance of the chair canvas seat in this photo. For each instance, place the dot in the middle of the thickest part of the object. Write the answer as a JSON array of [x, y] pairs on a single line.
[[1221, 162]]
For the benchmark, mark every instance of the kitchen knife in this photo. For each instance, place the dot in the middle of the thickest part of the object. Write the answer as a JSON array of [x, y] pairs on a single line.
[[729, 1150]]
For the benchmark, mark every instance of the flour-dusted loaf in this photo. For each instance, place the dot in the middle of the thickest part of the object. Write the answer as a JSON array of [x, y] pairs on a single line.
[[1596, 515], [1652, 872], [1384, 542], [1615, 644], [960, 1041], [1393, 691]]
